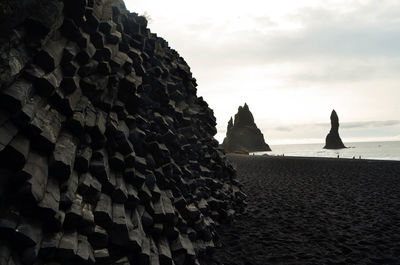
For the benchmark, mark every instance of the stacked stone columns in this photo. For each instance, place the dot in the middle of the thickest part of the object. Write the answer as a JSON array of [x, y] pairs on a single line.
[[107, 155]]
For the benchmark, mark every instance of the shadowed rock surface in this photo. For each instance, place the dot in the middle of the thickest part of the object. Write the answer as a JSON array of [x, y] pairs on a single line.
[[243, 134], [107, 155], [333, 140]]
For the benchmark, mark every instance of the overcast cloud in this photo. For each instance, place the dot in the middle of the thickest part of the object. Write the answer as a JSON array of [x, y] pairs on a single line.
[[346, 125], [291, 61]]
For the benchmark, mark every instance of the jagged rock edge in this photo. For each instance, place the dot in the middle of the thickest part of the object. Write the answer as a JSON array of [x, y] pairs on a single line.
[[107, 154]]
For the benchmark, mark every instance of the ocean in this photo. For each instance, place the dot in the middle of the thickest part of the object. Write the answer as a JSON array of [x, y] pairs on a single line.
[[366, 150]]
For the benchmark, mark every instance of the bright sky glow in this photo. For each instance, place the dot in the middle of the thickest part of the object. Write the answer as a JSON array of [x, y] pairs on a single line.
[[291, 61]]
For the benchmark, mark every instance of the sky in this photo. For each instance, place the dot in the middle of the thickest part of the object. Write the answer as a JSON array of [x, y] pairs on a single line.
[[291, 61]]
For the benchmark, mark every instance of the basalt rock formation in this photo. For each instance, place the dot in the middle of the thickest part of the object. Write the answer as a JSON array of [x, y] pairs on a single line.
[[243, 134], [107, 155], [333, 140]]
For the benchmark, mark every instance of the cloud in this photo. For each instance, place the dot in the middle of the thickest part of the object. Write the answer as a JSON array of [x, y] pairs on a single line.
[[283, 128], [362, 30], [265, 21], [329, 44], [333, 42], [290, 63], [350, 70], [323, 33], [316, 132], [343, 125], [369, 124]]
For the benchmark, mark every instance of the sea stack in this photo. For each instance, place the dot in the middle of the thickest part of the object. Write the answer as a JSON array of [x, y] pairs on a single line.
[[333, 140], [243, 134]]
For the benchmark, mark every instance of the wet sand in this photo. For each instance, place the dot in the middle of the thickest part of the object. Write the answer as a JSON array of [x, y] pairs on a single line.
[[314, 211]]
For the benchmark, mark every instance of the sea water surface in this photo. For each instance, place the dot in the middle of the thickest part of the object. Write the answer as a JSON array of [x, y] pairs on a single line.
[[366, 150]]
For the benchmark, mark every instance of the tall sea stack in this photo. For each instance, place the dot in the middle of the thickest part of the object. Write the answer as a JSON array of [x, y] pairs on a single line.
[[333, 140], [243, 134], [107, 155]]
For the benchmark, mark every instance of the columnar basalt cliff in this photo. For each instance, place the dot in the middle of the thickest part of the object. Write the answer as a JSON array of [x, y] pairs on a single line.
[[243, 134], [333, 140], [107, 154]]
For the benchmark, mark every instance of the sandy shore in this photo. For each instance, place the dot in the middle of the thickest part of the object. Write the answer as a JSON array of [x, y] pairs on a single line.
[[314, 211]]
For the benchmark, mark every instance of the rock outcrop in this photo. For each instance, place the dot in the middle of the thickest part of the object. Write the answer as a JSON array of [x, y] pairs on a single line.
[[333, 140], [107, 155], [243, 134]]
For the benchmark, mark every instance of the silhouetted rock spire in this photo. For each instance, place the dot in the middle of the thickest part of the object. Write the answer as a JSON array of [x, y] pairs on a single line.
[[244, 117], [243, 134], [333, 140], [230, 125]]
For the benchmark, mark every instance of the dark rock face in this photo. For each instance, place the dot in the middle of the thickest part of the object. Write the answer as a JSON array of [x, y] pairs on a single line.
[[106, 153], [243, 134], [333, 140]]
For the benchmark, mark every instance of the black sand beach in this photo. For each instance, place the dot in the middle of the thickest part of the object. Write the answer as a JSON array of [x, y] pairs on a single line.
[[314, 211]]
